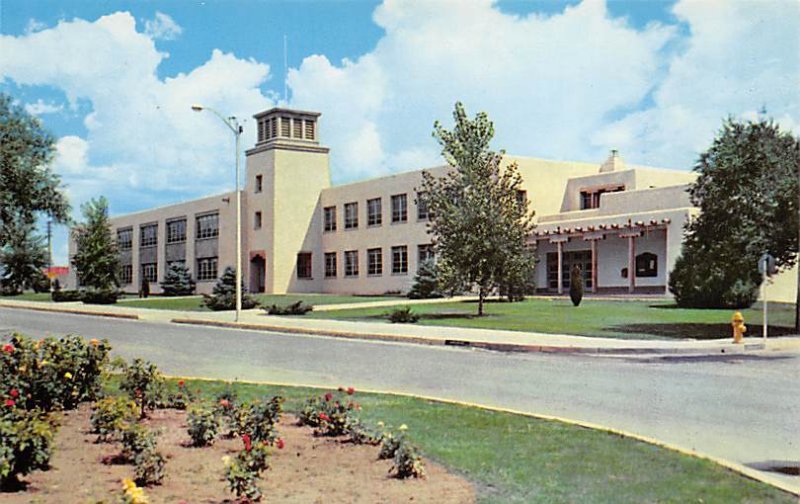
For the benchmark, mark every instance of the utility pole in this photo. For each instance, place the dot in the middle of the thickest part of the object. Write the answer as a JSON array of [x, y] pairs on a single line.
[[49, 243]]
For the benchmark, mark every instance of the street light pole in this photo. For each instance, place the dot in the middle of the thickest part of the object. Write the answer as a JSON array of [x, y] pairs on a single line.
[[233, 124]]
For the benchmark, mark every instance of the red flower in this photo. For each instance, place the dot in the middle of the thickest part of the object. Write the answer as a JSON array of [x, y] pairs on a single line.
[[10, 403], [324, 417], [351, 391], [8, 348], [14, 393], [328, 396], [137, 392], [225, 403], [181, 383], [248, 445], [280, 444]]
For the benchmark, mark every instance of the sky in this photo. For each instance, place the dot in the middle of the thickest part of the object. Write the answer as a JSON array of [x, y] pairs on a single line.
[[569, 80]]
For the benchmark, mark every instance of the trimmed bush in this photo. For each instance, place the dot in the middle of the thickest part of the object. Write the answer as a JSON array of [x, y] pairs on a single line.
[[100, 296], [402, 316], [177, 281], [224, 294], [297, 308], [63, 296], [576, 285]]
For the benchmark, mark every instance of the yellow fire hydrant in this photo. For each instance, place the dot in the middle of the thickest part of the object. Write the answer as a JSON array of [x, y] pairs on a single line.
[[737, 322]]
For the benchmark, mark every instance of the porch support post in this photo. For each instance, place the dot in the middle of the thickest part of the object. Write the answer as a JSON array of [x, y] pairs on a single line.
[[594, 266], [560, 268], [631, 264]]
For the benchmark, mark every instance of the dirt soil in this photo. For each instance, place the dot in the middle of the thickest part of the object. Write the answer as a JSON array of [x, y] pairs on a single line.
[[308, 470]]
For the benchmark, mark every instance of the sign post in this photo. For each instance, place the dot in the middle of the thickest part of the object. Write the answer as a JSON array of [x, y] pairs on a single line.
[[767, 268]]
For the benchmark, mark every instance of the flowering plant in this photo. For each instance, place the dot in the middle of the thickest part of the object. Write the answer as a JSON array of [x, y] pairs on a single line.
[[203, 425], [144, 384], [26, 438], [330, 414], [112, 415], [133, 494], [243, 471]]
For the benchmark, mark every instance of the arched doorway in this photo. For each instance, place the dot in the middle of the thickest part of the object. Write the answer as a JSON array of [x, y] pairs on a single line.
[[258, 273]]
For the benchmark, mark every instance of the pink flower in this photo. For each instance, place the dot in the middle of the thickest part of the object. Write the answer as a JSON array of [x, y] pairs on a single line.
[[248, 445], [324, 417], [328, 396], [10, 403], [14, 393], [351, 391], [225, 403], [280, 444], [8, 348]]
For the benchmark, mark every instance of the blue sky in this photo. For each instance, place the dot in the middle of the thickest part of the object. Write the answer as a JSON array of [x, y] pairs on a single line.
[[568, 80]]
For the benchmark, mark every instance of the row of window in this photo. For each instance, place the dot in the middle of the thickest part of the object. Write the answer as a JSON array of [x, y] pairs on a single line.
[[206, 270], [399, 261], [399, 204], [207, 227], [591, 198], [287, 127]]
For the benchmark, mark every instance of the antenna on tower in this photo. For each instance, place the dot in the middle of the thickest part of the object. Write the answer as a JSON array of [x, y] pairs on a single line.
[[285, 71]]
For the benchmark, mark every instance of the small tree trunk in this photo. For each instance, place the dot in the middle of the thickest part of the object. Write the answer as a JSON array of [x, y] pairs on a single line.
[[481, 297]]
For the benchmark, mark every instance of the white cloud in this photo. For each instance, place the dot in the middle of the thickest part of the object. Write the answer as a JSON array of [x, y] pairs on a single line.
[[144, 144], [40, 107], [162, 27], [567, 86], [33, 26]]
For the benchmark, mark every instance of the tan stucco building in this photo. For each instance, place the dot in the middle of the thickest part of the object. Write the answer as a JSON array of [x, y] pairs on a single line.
[[623, 224]]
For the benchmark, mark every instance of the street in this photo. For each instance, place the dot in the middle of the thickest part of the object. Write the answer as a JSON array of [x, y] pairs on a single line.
[[743, 408]]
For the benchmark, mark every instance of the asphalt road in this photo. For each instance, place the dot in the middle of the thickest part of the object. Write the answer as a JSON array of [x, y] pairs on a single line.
[[743, 408]]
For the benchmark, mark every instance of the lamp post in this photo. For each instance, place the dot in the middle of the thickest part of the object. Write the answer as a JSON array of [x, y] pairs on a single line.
[[233, 123]]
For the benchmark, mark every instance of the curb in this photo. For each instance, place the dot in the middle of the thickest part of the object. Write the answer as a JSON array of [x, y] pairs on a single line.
[[727, 464], [77, 311], [481, 345]]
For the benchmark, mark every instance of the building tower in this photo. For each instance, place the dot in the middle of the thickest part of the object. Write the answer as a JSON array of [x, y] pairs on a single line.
[[286, 171]]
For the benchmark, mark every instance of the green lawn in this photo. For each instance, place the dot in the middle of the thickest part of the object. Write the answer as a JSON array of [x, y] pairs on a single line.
[[518, 459], [613, 319], [195, 303], [29, 296]]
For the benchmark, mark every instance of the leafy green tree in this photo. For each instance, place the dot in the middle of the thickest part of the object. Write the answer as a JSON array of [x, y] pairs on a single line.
[[747, 191], [479, 223], [426, 282], [27, 184], [177, 281], [223, 296], [96, 261], [23, 257]]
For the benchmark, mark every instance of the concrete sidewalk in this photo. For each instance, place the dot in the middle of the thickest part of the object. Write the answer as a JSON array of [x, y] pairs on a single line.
[[501, 340]]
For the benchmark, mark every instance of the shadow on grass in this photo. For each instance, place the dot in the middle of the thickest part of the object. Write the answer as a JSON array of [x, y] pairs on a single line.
[[696, 331]]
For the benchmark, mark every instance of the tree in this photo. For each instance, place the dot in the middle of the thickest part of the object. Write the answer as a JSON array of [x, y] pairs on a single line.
[[27, 184], [23, 256], [747, 191], [96, 261], [426, 282], [177, 281], [576, 285], [224, 294], [479, 223]]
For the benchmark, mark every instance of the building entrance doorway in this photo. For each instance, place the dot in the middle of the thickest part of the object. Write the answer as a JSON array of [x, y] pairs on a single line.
[[258, 273], [582, 258]]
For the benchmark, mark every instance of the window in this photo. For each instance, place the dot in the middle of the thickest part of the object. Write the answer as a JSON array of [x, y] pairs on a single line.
[[351, 215], [261, 132], [591, 198], [581, 258], [350, 263], [259, 183], [330, 264], [422, 206], [150, 272], [176, 231], [374, 213], [149, 236], [257, 221], [522, 197], [208, 226], [647, 265], [309, 130], [330, 218], [424, 253], [374, 261], [273, 127], [125, 238], [304, 265], [207, 269], [126, 275], [285, 127], [297, 128], [399, 260], [399, 208]]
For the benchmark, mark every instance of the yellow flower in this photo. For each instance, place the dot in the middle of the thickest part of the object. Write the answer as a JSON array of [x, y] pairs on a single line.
[[226, 460], [94, 341], [42, 363], [68, 375], [22, 369], [403, 427], [128, 484], [381, 424]]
